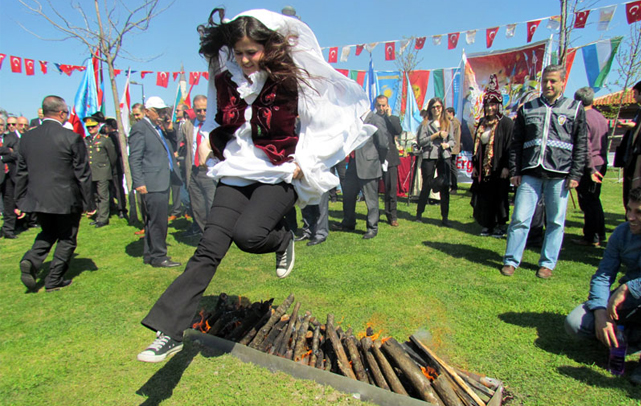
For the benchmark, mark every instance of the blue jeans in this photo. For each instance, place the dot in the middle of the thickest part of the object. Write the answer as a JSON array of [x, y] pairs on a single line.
[[555, 195]]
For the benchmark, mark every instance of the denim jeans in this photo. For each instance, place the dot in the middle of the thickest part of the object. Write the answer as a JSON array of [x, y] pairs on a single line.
[[555, 195]]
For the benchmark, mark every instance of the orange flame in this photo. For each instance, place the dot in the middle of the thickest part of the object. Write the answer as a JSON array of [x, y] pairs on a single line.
[[430, 373], [374, 336], [307, 354], [203, 325], [385, 339]]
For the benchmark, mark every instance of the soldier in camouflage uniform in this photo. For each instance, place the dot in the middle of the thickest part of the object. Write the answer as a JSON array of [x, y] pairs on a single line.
[[102, 158]]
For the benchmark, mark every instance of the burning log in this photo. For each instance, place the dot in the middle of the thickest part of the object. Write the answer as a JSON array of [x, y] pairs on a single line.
[[373, 368], [300, 347], [341, 357], [320, 360], [490, 383], [282, 342], [280, 311], [254, 330], [255, 313], [274, 333], [413, 373], [449, 370], [388, 371], [352, 348]]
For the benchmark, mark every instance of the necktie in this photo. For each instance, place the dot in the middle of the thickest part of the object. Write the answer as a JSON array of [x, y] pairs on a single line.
[[162, 138], [198, 140]]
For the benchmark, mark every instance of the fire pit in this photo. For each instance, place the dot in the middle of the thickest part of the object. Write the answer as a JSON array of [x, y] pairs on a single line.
[[382, 371]]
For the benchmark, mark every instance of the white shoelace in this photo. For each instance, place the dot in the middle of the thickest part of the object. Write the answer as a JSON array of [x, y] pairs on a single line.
[[159, 342]]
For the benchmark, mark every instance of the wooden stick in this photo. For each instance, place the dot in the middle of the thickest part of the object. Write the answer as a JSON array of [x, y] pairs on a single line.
[[341, 357], [282, 342], [450, 371], [254, 330], [301, 342], [387, 369], [268, 342], [280, 311], [374, 369], [315, 345], [413, 373], [352, 348], [445, 391]]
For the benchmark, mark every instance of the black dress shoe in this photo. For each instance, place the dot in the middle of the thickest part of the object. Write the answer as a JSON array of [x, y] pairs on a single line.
[[368, 235], [166, 264], [303, 238], [93, 223], [315, 241], [99, 224], [62, 284], [28, 275], [341, 227]]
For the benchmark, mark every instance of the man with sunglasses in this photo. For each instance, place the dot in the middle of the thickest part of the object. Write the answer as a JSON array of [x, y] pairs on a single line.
[[153, 164], [102, 158], [9, 143], [53, 179], [198, 160]]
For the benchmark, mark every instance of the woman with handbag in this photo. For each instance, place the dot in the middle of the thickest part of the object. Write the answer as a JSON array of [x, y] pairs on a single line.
[[436, 140]]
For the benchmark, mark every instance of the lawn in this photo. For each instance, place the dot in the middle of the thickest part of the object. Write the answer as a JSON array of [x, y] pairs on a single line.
[[78, 346]]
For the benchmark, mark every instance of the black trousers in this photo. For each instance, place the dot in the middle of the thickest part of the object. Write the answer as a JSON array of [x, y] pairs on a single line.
[[251, 217], [9, 205], [428, 168], [118, 191], [390, 179], [155, 242], [176, 203], [453, 173], [62, 228], [340, 169], [589, 193]]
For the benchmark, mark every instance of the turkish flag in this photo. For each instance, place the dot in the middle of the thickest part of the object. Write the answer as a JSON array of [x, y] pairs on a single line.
[[490, 34], [452, 40], [162, 79], [194, 78], [175, 74], [359, 49], [2, 56], [531, 28], [580, 18], [344, 71], [28, 67], [333, 55], [390, 51], [144, 72], [117, 72], [419, 43], [16, 64], [633, 11], [205, 75], [43, 67]]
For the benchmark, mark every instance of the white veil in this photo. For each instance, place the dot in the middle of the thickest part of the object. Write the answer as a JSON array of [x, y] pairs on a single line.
[[331, 111]]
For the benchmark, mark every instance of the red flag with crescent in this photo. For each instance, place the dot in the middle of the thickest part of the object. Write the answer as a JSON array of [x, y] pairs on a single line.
[[2, 56], [43, 67], [344, 71], [333, 55], [531, 28], [28, 67], [419, 43], [205, 75], [359, 49], [194, 78], [580, 18], [633, 11], [390, 51], [452, 40], [162, 79], [16, 64], [490, 34]]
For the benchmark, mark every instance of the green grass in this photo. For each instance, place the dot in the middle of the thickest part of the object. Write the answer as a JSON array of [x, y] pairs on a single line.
[[78, 346]]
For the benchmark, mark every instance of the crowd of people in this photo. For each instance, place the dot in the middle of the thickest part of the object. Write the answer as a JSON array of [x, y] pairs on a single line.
[[280, 122]]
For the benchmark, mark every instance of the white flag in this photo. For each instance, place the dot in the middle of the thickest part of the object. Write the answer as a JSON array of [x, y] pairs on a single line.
[[470, 36], [509, 30], [605, 16], [436, 40], [345, 53]]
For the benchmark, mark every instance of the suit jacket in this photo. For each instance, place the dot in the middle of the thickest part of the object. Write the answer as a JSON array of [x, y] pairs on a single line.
[[371, 155], [9, 153], [148, 158], [53, 174], [35, 122], [394, 129], [187, 135]]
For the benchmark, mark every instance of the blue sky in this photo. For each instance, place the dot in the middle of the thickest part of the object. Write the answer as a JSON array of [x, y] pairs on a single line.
[[172, 39]]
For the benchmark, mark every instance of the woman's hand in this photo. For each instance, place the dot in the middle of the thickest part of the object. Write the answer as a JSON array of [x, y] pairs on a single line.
[[298, 173], [445, 145]]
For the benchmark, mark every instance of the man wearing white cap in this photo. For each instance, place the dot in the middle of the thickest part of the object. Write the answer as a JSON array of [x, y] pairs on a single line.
[[152, 163]]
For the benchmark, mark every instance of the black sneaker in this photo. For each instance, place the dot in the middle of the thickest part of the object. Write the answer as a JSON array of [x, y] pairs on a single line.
[[285, 260], [162, 347]]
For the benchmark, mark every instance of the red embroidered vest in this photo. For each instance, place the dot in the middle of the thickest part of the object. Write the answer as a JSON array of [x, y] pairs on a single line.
[[272, 124]]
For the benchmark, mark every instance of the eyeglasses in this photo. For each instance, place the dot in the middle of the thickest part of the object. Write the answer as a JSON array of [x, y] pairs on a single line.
[[437, 107], [200, 110], [64, 111]]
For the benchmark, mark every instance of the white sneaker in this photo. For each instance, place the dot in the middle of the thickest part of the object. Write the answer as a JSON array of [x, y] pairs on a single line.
[[285, 261], [162, 347]]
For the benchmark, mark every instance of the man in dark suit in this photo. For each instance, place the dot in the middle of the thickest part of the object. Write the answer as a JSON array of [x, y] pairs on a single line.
[[152, 163], [37, 121], [390, 171], [9, 143], [363, 173], [53, 179]]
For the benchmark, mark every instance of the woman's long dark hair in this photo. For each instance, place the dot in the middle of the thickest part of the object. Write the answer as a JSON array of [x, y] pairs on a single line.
[[444, 120], [276, 61]]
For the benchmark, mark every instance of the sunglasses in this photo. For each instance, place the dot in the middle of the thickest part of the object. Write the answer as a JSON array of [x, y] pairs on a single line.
[[91, 126], [8, 124], [200, 110]]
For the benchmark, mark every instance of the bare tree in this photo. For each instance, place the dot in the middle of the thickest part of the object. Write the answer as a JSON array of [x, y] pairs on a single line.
[[569, 8], [114, 19], [406, 61]]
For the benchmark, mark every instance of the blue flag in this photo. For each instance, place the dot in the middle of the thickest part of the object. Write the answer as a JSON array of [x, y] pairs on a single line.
[[412, 119]]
